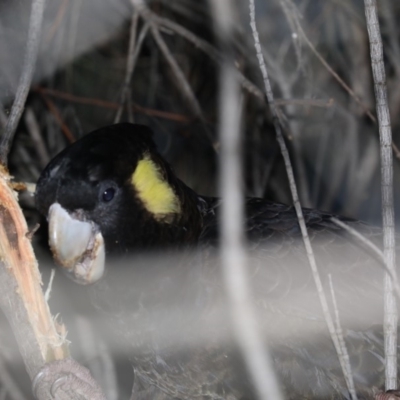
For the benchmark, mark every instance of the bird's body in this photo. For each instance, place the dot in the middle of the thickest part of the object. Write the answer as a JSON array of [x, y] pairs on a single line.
[[114, 184]]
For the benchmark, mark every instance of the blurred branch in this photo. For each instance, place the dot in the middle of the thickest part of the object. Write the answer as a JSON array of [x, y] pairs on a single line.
[[370, 245], [292, 183], [335, 75], [233, 254], [32, 48], [343, 353], [133, 52], [341, 82], [113, 106], [293, 124], [3, 118], [53, 109], [208, 49], [180, 78], [385, 133], [305, 102], [97, 356], [37, 139]]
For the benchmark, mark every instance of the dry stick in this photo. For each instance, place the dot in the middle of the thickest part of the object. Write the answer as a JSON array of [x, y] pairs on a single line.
[[385, 133], [293, 189], [32, 48], [21, 295], [344, 354], [233, 254], [130, 65]]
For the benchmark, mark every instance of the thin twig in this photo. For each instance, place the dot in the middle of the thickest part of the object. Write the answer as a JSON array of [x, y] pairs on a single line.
[[32, 48], [57, 21], [292, 183], [294, 125], [130, 64], [233, 254], [305, 102], [361, 238], [341, 82], [182, 82], [343, 353], [178, 73], [111, 105], [57, 115], [375, 249], [385, 133], [138, 47], [335, 75], [50, 285]]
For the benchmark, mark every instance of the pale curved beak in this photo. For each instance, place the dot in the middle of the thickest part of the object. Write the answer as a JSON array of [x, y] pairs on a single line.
[[77, 246]]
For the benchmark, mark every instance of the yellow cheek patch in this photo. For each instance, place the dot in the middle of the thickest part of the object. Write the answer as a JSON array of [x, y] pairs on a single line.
[[154, 192]]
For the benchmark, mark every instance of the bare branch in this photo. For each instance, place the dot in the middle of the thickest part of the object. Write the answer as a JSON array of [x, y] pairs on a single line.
[[385, 133], [32, 48], [233, 254], [343, 353], [292, 183], [372, 247], [114, 106], [130, 63], [38, 336]]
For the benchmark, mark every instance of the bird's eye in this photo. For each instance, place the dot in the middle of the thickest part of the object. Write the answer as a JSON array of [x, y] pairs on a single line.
[[108, 194]]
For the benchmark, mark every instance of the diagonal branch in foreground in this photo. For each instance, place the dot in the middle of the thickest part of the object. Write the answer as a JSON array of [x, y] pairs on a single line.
[[296, 202], [38, 336]]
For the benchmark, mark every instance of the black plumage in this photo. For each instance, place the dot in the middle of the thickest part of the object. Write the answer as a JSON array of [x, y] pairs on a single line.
[[171, 310]]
